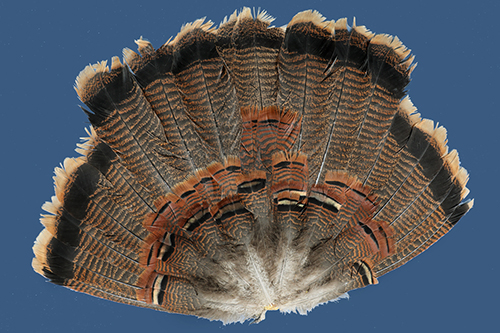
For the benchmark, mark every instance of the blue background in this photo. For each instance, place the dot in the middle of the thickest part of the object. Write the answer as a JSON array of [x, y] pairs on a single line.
[[44, 44]]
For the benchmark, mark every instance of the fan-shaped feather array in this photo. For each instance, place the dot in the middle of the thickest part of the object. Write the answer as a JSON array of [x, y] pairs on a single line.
[[246, 168]]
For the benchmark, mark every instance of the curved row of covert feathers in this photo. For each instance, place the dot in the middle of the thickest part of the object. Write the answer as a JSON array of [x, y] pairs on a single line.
[[247, 168]]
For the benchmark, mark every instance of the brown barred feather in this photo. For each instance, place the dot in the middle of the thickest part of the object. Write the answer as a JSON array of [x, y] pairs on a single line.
[[248, 168]]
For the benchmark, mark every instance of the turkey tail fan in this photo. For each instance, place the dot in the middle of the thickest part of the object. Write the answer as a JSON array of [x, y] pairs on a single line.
[[248, 168]]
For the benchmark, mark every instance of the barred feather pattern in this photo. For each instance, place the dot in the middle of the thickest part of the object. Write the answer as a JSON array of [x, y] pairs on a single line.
[[248, 168]]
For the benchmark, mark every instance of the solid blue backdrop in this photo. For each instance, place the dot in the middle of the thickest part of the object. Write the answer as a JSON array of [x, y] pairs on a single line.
[[451, 287]]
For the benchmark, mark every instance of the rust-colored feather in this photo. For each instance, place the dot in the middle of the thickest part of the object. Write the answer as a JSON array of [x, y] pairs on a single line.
[[248, 168]]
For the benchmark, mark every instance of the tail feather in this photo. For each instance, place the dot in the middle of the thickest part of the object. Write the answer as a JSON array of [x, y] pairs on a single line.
[[407, 179], [249, 48], [392, 146], [126, 190], [307, 81], [381, 52], [207, 92], [366, 99], [427, 201], [153, 72], [86, 199], [113, 98]]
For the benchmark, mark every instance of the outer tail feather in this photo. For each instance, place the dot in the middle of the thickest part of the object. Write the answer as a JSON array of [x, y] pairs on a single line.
[[113, 96]]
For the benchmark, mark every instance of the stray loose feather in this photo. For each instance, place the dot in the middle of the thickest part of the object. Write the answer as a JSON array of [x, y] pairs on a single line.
[[248, 168]]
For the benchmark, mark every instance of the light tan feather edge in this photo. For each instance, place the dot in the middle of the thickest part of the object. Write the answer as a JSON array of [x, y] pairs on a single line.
[[53, 207], [439, 139]]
